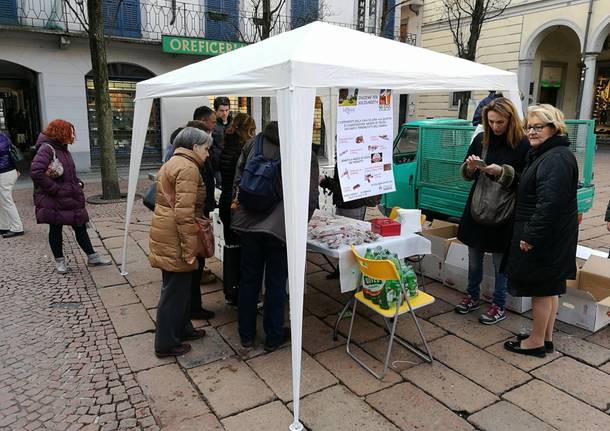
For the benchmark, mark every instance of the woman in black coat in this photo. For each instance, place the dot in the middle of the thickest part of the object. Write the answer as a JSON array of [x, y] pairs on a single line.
[[241, 130], [503, 147], [545, 233]]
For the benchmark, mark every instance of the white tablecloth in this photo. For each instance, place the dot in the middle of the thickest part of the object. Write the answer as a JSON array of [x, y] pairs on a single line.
[[404, 246]]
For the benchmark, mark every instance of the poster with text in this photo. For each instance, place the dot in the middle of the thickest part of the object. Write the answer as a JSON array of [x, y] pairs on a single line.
[[364, 142]]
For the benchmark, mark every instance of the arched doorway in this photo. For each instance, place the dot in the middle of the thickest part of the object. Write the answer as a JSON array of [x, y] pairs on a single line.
[[556, 70], [19, 112], [122, 80]]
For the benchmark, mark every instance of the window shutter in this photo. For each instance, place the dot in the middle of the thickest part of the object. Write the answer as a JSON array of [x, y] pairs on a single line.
[[8, 12], [303, 12], [126, 22], [222, 19], [388, 31]]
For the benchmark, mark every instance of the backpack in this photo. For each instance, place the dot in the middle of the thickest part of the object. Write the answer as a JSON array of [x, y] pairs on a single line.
[[258, 184]]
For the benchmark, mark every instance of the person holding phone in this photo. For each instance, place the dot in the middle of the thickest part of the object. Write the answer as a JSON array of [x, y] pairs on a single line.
[[499, 152]]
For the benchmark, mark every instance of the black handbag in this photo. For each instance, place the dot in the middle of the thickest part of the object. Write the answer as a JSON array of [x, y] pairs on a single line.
[[149, 197], [231, 261], [492, 204]]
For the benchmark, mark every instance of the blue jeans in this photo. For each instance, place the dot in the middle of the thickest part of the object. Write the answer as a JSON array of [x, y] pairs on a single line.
[[262, 253], [475, 276]]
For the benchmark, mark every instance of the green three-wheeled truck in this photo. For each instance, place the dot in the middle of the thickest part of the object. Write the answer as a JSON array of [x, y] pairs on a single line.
[[428, 155]]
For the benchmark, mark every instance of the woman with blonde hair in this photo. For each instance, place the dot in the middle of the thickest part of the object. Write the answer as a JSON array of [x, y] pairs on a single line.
[[498, 154], [173, 239], [545, 233]]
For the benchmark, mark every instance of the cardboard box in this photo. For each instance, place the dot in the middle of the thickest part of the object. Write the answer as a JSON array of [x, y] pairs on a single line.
[[579, 308], [594, 277], [217, 225], [455, 274], [440, 234]]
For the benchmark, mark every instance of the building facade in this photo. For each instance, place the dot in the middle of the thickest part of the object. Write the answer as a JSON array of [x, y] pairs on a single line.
[[45, 64], [545, 42]]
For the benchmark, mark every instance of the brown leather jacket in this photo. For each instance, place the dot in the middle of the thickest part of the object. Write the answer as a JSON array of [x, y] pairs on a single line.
[[180, 198]]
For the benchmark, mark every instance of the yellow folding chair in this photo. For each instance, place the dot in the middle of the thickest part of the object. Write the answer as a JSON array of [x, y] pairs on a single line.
[[386, 270]]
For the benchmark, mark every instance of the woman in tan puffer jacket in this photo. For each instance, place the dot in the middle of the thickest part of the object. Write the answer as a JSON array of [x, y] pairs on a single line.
[[173, 239]]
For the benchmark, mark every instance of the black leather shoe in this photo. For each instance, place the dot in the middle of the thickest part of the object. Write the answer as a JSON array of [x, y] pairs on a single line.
[[195, 335], [202, 314], [272, 347], [548, 345], [515, 347], [12, 234], [3, 231], [247, 344]]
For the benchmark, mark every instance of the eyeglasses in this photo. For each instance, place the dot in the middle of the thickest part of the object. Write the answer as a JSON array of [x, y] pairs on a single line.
[[536, 128]]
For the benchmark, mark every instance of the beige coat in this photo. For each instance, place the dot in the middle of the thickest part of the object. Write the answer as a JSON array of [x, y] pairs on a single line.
[[180, 197]]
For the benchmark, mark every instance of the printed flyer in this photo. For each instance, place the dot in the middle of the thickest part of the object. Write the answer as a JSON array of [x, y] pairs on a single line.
[[364, 143]]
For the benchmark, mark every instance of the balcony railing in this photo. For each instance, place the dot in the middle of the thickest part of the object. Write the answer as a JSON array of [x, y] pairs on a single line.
[[148, 21]]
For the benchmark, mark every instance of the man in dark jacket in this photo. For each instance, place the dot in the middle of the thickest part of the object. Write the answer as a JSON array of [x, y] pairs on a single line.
[[263, 241], [222, 109]]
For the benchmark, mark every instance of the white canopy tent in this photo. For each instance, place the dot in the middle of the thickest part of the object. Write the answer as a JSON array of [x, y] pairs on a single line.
[[292, 67]]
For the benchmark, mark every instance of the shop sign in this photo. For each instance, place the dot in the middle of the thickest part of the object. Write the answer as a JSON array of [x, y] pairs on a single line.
[[196, 46]]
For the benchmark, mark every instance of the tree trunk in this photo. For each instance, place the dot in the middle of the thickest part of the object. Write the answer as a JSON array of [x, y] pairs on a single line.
[[103, 108], [463, 112]]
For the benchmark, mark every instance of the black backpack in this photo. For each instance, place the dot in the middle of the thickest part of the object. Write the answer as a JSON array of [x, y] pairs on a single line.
[[258, 191]]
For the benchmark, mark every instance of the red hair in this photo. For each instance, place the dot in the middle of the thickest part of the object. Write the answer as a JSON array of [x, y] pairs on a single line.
[[60, 131]]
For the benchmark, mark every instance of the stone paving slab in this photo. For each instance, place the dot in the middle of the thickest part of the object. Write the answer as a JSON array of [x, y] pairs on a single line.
[[571, 330], [171, 395], [400, 359], [467, 326], [336, 408], [579, 380], [318, 336], [134, 254], [582, 350], [130, 319], [117, 242], [230, 334], [272, 416], [352, 375], [478, 365], [118, 295], [601, 337], [141, 273], [516, 323], [105, 276], [449, 387], [524, 362], [207, 422], [504, 416], [412, 409], [216, 302], [321, 305], [557, 408], [437, 307], [140, 352], [230, 387], [363, 330], [276, 370], [406, 329], [447, 294], [206, 350], [149, 294], [605, 368]]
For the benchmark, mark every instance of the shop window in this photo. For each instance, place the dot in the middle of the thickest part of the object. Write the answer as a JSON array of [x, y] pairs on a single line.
[[122, 80], [303, 12], [601, 102], [455, 99], [8, 12], [222, 19], [238, 104], [122, 18]]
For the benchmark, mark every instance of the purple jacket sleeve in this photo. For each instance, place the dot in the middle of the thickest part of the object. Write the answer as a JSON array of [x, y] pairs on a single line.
[[38, 170]]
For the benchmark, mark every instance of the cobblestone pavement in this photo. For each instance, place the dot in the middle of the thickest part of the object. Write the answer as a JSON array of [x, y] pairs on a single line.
[[77, 352]]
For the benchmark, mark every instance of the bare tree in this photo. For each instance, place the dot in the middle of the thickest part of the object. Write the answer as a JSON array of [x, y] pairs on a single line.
[[268, 18], [90, 15], [465, 19]]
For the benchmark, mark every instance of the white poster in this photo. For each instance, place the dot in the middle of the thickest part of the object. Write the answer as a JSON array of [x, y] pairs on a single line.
[[364, 142]]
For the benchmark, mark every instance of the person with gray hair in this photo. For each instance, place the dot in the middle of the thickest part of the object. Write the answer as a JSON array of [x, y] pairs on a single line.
[[174, 241]]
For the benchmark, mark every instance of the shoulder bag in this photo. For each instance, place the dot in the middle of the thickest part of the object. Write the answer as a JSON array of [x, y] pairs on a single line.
[[492, 204], [55, 168]]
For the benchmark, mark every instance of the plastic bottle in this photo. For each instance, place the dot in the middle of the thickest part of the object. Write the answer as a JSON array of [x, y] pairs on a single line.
[[411, 282]]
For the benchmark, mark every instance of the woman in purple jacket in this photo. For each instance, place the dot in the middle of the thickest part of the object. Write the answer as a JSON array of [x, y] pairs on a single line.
[[58, 193]]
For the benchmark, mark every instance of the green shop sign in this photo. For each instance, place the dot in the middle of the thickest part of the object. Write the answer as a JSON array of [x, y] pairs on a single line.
[[195, 46]]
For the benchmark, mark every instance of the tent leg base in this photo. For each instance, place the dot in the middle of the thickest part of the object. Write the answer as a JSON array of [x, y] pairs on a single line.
[[296, 426]]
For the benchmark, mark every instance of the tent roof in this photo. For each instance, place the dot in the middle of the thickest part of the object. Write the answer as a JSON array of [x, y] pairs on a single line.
[[321, 55]]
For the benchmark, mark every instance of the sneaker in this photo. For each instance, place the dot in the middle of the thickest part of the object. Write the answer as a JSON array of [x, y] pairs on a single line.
[[60, 265], [97, 260], [467, 305], [493, 315]]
